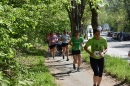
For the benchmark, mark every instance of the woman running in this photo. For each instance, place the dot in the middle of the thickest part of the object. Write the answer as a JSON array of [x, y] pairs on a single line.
[[98, 49], [76, 43], [52, 43], [59, 44], [65, 41]]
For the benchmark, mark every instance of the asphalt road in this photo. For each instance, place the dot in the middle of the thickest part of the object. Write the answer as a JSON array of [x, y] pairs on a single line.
[[116, 48], [112, 43]]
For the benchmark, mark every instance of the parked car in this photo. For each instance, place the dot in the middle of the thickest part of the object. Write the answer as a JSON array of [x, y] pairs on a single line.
[[126, 36], [110, 33], [114, 35]]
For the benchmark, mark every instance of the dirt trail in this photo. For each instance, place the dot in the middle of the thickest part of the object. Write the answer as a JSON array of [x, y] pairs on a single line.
[[65, 75]]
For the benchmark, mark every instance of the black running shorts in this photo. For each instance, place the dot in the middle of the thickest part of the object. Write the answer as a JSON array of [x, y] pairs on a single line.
[[64, 44], [52, 46], [76, 52]]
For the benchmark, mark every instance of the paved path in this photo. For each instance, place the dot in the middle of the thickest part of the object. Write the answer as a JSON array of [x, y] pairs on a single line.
[[65, 75]]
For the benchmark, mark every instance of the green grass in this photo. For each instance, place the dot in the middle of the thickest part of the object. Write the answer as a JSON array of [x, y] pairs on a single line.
[[33, 72], [114, 66], [117, 67]]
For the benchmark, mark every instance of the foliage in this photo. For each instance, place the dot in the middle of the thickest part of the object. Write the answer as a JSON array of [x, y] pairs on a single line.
[[33, 71], [116, 15], [24, 23]]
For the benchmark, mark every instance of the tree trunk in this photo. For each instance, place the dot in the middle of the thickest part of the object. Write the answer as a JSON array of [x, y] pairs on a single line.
[[75, 15], [94, 19]]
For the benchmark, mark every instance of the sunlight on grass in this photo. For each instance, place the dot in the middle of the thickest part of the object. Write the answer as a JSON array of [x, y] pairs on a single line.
[[35, 71], [115, 66]]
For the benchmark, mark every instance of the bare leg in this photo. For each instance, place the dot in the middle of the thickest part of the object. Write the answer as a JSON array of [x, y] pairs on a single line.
[[63, 51], [79, 60], [54, 51], [75, 61], [95, 79], [67, 52], [51, 51], [99, 81]]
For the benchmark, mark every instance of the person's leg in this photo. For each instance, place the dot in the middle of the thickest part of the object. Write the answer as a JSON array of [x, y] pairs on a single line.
[[95, 80], [94, 67], [51, 49], [67, 52], [75, 61], [54, 51], [101, 67], [63, 50], [79, 61], [60, 49]]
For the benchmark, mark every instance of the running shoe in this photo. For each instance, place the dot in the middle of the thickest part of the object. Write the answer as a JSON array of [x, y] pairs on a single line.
[[63, 56], [67, 59], [53, 56], [78, 70], [74, 67]]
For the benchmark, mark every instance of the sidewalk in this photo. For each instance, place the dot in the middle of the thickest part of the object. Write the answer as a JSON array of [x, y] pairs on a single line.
[[65, 75]]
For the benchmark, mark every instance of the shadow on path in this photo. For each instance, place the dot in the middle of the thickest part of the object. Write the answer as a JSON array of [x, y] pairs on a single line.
[[121, 83], [61, 75], [60, 65]]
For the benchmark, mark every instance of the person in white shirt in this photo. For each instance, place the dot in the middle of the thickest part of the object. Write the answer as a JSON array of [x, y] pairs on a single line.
[[65, 42]]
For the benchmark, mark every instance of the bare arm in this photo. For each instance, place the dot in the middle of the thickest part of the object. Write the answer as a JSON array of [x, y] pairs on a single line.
[[70, 42], [103, 52], [106, 48], [86, 49]]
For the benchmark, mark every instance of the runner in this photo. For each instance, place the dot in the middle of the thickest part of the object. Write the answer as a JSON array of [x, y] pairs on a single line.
[[76, 43], [65, 41], [98, 49], [59, 44], [52, 43]]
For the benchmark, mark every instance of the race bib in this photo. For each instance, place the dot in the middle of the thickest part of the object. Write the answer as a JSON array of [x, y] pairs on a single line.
[[97, 53]]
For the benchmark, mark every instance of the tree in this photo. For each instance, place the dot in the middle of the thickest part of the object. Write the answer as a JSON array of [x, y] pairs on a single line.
[[94, 19], [75, 13]]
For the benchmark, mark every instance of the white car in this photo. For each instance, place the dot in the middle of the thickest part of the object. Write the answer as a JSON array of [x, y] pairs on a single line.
[[114, 35]]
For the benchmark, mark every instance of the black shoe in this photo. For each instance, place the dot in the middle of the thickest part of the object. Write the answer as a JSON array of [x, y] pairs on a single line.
[[67, 59], [74, 66], [63, 56], [53, 56], [78, 70]]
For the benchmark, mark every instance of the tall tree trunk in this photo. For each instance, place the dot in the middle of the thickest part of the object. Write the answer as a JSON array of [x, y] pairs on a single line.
[[94, 19], [75, 15]]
